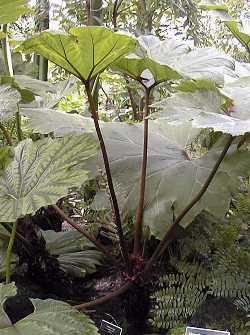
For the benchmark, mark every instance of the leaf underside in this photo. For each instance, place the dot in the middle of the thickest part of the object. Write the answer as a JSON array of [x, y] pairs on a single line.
[[173, 179], [85, 52]]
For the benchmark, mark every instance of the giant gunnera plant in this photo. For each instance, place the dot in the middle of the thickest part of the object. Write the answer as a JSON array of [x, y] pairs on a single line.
[[150, 172]]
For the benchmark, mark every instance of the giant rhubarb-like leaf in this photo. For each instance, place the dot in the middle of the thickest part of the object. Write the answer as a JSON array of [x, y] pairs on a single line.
[[173, 178], [171, 60], [225, 110], [41, 173], [85, 52]]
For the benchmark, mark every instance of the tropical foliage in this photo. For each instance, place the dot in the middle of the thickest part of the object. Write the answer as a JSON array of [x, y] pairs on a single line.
[[154, 177]]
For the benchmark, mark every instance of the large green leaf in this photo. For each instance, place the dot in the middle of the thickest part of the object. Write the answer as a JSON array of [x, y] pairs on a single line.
[[45, 121], [197, 63], [41, 173], [9, 98], [241, 30], [203, 63], [76, 255], [170, 60], [183, 107], [85, 52], [211, 108], [173, 178], [138, 65], [11, 10], [49, 317], [192, 86], [223, 123]]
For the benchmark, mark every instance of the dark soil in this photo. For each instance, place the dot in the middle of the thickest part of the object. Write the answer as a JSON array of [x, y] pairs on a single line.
[[129, 311]]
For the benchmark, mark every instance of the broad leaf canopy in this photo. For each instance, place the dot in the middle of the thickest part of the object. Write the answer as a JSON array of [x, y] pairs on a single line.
[[173, 178], [84, 52], [171, 60], [225, 110]]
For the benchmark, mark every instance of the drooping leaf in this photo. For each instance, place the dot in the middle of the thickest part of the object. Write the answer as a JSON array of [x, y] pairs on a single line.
[[241, 30], [9, 98], [26, 96], [49, 317], [85, 52], [76, 255], [198, 63], [11, 10], [202, 64], [169, 48], [173, 178], [41, 173], [136, 66], [225, 110], [171, 60], [45, 121]]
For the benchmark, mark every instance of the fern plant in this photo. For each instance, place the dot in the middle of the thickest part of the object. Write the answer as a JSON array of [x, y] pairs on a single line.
[[176, 301], [208, 261]]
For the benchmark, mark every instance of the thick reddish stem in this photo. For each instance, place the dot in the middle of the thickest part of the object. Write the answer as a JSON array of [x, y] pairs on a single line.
[[139, 212], [105, 298], [118, 223]]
